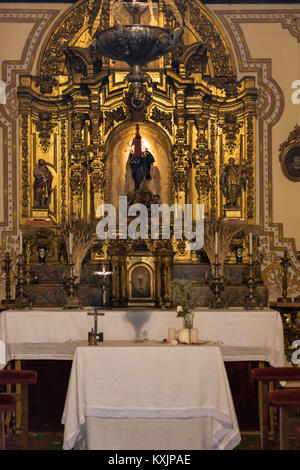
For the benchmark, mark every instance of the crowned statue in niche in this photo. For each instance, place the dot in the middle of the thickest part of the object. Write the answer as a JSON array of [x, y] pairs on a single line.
[[140, 162], [42, 185], [233, 178]]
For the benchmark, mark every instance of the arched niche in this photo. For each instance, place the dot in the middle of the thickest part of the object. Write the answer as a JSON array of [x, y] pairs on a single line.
[[141, 283], [119, 178]]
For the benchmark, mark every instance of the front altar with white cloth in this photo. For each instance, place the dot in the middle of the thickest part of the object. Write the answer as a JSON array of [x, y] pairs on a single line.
[[152, 396], [45, 334], [54, 333]]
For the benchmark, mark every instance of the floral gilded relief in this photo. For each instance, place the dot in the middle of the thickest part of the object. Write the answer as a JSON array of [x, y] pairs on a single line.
[[272, 273], [12, 103], [264, 102]]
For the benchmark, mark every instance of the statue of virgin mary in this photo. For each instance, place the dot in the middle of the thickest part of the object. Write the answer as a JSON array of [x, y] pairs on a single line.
[[140, 161]]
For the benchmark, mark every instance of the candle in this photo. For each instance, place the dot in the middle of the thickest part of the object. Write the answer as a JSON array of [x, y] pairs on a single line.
[[184, 335], [21, 243], [194, 335], [216, 243], [171, 334], [104, 296], [71, 243], [250, 243]]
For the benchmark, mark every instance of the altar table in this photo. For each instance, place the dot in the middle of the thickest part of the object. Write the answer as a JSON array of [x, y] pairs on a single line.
[[151, 396], [54, 333]]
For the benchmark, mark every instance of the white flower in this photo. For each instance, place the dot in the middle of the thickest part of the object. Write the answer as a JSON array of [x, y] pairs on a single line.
[[179, 308]]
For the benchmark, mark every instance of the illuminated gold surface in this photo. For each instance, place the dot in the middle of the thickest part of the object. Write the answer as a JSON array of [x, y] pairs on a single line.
[[183, 121]]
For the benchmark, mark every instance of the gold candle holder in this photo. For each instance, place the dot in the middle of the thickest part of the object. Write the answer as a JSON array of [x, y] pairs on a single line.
[[285, 264], [8, 301], [216, 300], [72, 301], [22, 300], [251, 300], [92, 338]]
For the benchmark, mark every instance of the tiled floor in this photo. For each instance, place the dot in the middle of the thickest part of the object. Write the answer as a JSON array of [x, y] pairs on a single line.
[[37, 441], [53, 441]]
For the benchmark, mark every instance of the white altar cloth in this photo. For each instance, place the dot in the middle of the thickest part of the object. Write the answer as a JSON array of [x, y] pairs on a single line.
[[123, 396], [54, 333]]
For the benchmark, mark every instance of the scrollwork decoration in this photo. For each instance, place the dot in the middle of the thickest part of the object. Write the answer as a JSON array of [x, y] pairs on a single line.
[[44, 126]]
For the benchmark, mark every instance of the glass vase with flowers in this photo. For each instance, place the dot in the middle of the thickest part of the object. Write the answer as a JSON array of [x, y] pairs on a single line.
[[184, 299]]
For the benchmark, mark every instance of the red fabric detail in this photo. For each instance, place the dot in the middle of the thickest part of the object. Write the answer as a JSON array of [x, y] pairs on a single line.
[[288, 398], [7, 403], [137, 142], [298, 436], [18, 377], [275, 373]]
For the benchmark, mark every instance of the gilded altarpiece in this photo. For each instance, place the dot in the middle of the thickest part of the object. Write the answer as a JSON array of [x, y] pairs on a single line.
[[77, 123]]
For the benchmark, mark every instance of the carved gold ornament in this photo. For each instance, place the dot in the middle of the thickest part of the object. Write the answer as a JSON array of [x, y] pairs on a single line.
[[194, 115], [289, 155]]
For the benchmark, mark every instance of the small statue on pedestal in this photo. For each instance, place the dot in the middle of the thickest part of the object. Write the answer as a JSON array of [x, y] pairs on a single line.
[[233, 179], [42, 185]]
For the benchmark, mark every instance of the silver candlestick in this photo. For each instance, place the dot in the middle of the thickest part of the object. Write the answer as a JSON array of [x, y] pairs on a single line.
[[251, 300], [217, 287], [72, 301]]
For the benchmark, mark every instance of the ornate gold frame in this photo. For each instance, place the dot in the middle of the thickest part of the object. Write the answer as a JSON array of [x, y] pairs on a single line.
[[142, 300], [206, 114], [286, 154]]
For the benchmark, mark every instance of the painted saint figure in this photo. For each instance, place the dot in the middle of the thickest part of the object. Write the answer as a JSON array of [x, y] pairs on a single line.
[[42, 185], [140, 162], [296, 163], [233, 179]]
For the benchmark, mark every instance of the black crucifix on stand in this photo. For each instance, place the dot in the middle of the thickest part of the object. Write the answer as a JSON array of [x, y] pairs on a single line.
[[98, 336]]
